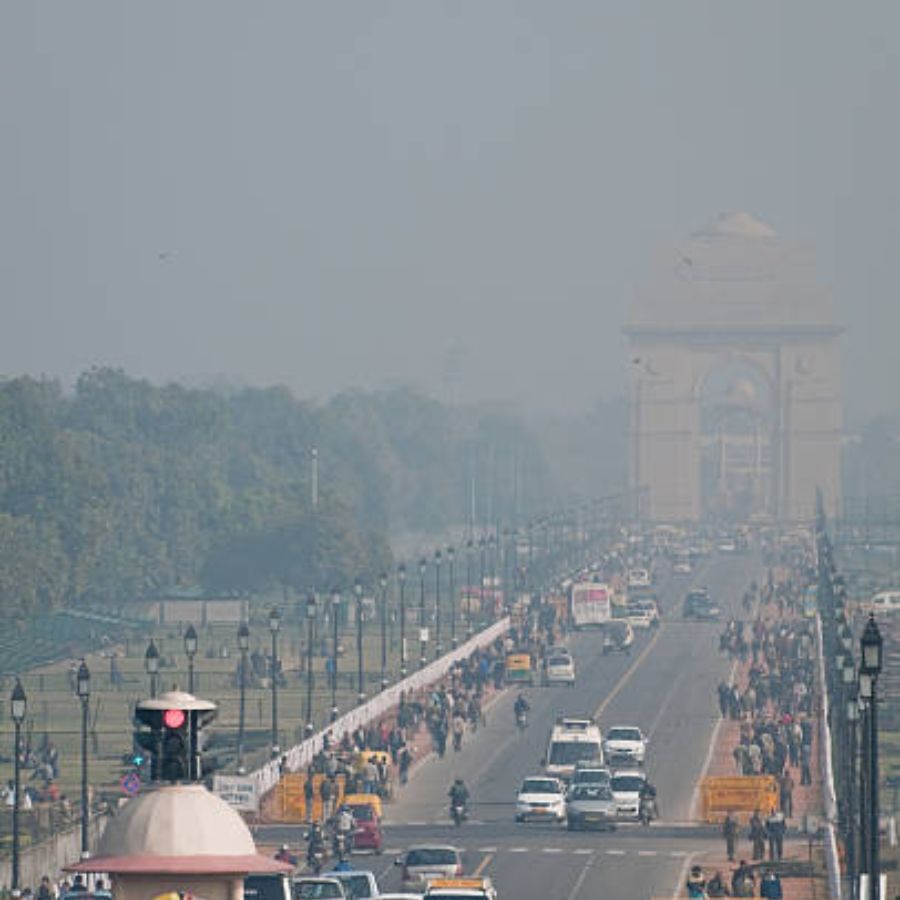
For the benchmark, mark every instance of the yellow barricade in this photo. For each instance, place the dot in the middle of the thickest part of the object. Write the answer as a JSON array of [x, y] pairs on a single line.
[[290, 797], [738, 794]]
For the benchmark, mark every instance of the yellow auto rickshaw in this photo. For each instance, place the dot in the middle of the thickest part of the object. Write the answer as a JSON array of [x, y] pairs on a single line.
[[518, 669]]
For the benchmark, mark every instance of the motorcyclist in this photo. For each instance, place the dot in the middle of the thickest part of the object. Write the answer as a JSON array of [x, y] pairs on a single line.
[[459, 794], [648, 799], [315, 846], [521, 706], [343, 830], [284, 855]]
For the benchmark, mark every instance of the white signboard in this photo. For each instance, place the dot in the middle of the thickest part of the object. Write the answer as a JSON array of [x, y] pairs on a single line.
[[236, 791]]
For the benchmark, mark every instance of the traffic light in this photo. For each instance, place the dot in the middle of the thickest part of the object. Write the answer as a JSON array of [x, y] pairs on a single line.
[[169, 732]]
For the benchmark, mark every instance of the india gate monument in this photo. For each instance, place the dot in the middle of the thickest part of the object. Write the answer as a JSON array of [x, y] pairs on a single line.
[[734, 380]]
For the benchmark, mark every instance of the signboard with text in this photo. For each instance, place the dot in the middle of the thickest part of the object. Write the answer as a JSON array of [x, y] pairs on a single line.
[[237, 791]]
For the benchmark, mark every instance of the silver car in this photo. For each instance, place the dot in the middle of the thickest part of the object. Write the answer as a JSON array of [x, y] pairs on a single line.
[[424, 862], [591, 806]]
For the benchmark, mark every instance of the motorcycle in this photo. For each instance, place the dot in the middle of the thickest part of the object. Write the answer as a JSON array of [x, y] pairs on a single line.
[[315, 858], [647, 811], [522, 719], [341, 845], [458, 813], [457, 741]]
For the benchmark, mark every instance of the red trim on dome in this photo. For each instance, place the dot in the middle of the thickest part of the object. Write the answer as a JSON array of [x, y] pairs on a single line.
[[200, 864]]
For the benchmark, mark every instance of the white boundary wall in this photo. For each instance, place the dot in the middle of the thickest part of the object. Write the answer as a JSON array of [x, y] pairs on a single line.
[[832, 857], [300, 755]]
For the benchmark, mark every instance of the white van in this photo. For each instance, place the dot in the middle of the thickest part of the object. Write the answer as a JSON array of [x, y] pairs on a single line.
[[573, 741], [884, 603]]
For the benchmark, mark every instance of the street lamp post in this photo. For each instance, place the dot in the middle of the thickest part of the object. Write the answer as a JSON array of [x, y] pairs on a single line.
[[360, 689], [335, 609], [467, 612], [243, 639], [151, 664], [437, 604], [423, 628], [450, 555], [852, 717], [482, 546], [190, 648], [401, 578], [310, 621], [83, 683], [383, 583], [869, 670], [19, 705], [274, 625]]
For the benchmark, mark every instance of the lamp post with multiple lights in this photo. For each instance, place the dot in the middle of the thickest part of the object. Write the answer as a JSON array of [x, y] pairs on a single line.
[[274, 626], [190, 648], [243, 640], [83, 686], [310, 622], [151, 664], [19, 707]]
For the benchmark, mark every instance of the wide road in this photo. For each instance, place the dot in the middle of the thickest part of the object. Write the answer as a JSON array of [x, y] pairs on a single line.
[[666, 687]]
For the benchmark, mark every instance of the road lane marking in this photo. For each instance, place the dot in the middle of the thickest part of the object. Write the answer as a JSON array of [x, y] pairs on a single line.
[[714, 739], [583, 851], [678, 854], [626, 675], [581, 876], [615, 852], [646, 853], [682, 877], [487, 849], [551, 849], [518, 849], [482, 865]]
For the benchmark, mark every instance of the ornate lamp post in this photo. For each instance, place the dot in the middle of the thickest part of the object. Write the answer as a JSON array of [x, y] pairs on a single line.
[[360, 688], [151, 665], [423, 628], [437, 604], [467, 612], [274, 625], [482, 546], [869, 669], [19, 707], [401, 579], [335, 609], [310, 622], [852, 711], [450, 555], [83, 684], [383, 583], [190, 648], [243, 640]]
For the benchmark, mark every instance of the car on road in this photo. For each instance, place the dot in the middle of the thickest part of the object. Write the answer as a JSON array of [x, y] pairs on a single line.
[[700, 606], [624, 744], [590, 775], [268, 886], [638, 578], [474, 888], [591, 806], [358, 884], [618, 636], [541, 799], [367, 834], [626, 787], [313, 887], [422, 863], [572, 741], [560, 670]]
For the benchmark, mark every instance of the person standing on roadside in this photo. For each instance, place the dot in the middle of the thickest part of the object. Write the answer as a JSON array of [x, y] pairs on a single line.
[[758, 836], [730, 833]]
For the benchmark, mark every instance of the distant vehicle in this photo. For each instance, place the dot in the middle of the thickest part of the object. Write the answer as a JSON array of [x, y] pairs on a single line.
[[590, 775], [358, 884], [424, 862], [699, 605], [618, 636], [883, 603], [626, 789], [643, 613], [308, 887], [625, 744], [271, 886], [560, 670], [367, 834], [573, 741], [591, 806], [682, 564], [475, 888], [518, 669], [727, 545], [542, 799], [590, 604], [638, 578]]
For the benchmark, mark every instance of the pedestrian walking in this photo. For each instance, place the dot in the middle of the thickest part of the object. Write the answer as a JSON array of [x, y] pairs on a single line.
[[404, 759], [806, 764], [308, 795], [326, 792], [758, 836], [775, 828], [730, 833], [786, 789]]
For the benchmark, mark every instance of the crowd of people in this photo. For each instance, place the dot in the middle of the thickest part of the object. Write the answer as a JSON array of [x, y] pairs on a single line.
[[774, 703]]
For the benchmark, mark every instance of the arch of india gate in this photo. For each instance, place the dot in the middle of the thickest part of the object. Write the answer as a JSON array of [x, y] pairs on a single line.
[[734, 380]]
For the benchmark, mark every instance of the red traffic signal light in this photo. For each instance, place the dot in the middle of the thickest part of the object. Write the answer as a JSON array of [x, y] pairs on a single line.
[[174, 718]]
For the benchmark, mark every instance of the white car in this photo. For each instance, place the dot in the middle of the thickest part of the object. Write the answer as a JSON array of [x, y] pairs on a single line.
[[640, 618], [625, 744], [682, 566], [626, 787], [560, 670], [541, 798], [638, 578]]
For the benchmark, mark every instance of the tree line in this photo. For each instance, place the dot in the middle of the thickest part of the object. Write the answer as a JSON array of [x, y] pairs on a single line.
[[120, 489]]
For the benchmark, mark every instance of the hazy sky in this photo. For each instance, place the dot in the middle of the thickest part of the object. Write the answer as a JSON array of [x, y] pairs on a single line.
[[327, 194]]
